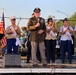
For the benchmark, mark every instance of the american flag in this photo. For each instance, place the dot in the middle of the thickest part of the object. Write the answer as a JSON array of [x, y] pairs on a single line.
[[4, 38], [1, 27]]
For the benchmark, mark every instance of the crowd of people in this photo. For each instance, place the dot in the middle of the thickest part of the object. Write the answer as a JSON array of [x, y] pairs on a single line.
[[40, 39]]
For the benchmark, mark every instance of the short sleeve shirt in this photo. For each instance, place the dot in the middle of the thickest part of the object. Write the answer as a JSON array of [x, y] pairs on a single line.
[[63, 36]]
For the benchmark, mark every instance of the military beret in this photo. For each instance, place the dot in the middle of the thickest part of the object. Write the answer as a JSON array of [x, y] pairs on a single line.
[[37, 10], [65, 19], [12, 18]]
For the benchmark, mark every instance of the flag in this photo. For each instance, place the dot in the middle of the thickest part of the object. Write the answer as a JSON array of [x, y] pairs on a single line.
[[4, 38], [1, 27], [3, 18]]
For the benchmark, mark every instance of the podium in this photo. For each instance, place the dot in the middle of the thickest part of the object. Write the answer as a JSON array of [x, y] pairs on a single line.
[[12, 60]]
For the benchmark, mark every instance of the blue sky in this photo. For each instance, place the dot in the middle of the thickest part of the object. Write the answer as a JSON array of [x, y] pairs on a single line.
[[24, 8]]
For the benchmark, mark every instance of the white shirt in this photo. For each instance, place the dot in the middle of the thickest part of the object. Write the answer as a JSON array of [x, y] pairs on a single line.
[[67, 35]]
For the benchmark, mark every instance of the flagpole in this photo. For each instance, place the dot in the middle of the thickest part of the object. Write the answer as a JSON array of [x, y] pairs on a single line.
[[3, 18], [3, 41], [2, 9], [19, 21]]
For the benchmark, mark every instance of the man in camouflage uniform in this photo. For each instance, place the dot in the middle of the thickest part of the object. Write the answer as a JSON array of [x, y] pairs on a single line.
[[37, 28]]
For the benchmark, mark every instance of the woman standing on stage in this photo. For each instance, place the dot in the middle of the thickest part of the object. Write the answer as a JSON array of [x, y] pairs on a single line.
[[66, 41], [50, 40]]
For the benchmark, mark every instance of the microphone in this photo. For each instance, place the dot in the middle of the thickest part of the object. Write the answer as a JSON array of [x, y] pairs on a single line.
[[38, 23], [38, 20]]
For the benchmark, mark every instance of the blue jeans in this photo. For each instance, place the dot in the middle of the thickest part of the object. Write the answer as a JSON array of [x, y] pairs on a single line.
[[66, 46], [10, 45]]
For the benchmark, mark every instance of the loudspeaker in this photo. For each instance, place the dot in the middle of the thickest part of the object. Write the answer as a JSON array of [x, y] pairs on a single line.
[[12, 60]]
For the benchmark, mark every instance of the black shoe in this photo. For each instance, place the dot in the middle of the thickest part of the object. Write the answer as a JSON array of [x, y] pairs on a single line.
[[35, 65], [62, 62], [48, 62], [70, 62], [53, 61], [27, 62], [45, 65]]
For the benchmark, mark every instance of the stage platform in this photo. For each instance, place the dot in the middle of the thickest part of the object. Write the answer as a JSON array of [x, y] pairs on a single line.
[[36, 70], [52, 68]]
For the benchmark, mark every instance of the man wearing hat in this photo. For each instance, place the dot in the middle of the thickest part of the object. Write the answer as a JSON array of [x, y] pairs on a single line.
[[12, 33], [37, 28], [66, 41]]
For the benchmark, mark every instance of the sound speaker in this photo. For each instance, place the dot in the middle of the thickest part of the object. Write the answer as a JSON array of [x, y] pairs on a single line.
[[12, 60]]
